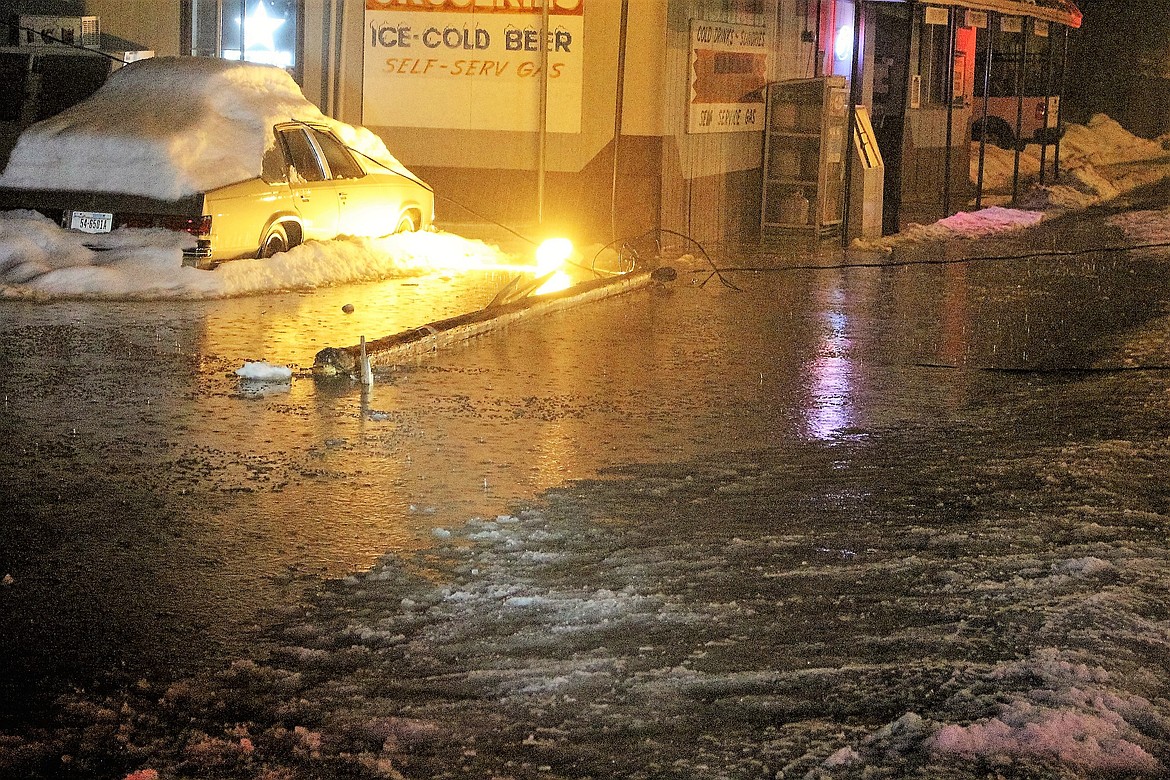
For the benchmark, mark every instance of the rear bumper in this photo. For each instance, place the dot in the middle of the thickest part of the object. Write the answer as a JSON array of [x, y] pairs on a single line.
[[198, 256]]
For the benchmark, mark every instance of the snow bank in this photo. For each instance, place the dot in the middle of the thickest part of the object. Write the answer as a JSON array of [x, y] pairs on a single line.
[[40, 260], [1084, 151], [1100, 142], [1070, 717], [974, 224], [168, 127]]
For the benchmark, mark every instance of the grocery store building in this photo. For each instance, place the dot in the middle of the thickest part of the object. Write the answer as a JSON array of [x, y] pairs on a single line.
[[636, 115]]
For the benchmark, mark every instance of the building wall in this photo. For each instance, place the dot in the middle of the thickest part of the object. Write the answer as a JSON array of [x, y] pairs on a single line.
[[494, 172], [711, 183], [153, 25], [702, 185]]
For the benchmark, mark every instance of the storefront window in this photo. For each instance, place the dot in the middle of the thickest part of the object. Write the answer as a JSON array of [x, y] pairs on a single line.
[[935, 41], [843, 38], [263, 31]]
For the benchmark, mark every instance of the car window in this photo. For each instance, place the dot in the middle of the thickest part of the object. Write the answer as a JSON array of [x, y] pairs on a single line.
[[273, 166], [341, 162], [301, 155]]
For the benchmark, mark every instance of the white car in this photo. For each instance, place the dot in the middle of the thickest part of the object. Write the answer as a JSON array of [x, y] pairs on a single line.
[[313, 188], [229, 152]]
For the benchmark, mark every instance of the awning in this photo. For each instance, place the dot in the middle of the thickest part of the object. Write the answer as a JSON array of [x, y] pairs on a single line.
[[1059, 11]]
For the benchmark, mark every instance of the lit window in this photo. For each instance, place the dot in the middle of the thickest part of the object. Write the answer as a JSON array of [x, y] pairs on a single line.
[[263, 31]]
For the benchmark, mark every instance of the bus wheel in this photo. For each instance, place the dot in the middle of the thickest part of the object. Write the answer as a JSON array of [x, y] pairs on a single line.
[[998, 133]]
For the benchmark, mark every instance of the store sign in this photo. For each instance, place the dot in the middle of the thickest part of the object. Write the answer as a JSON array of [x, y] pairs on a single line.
[[729, 69], [472, 64]]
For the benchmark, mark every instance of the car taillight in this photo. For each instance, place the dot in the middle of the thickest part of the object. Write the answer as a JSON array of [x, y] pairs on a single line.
[[196, 226]]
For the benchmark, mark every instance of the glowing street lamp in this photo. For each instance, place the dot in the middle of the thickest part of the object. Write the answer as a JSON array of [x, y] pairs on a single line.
[[551, 257]]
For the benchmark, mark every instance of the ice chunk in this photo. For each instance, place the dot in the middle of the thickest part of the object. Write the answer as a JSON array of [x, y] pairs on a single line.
[[264, 372]]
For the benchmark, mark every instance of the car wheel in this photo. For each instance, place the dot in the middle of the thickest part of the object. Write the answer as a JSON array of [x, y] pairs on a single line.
[[275, 242], [406, 224]]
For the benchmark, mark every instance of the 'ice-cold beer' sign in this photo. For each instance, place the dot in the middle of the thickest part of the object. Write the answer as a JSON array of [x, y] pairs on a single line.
[[472, 64], [729, 68]]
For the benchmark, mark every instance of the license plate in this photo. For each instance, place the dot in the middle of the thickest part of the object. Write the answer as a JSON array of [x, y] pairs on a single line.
[[91, 221]]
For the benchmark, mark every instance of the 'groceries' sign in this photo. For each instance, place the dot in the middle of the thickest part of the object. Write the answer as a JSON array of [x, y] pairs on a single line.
[[471, 64]]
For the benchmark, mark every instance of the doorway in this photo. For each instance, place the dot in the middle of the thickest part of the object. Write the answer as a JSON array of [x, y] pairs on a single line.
[[892, 26]]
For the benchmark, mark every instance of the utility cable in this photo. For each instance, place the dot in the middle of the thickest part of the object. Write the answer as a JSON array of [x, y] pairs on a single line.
[[938, 261], [659, 232]]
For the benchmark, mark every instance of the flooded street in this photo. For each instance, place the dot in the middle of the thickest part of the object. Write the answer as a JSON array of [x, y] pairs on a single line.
[[866, 521]]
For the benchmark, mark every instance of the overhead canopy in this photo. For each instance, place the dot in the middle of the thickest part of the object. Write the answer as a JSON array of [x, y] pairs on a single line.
[[1059, 11]]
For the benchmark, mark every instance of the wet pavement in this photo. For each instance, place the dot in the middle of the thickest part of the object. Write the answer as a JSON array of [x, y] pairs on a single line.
[[670, 461]]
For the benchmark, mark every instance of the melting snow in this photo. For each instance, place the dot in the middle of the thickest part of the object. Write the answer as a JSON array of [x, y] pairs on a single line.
[[1087, 152], [40, 260], [264, 372]]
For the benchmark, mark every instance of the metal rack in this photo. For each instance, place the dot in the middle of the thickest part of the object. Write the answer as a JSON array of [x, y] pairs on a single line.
[[804, 157]]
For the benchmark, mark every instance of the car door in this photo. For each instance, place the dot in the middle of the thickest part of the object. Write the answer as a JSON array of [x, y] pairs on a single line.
[[347, 175], [314, 193], [370, 204]]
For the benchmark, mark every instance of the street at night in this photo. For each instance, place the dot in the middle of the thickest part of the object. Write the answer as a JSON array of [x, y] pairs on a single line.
[[584, 390], [900, 519]]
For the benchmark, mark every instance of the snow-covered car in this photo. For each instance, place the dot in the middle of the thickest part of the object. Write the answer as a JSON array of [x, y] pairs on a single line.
[[229, 152]]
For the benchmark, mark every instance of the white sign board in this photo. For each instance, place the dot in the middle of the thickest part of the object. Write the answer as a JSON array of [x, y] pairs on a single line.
[[729, 68], [471, 64]]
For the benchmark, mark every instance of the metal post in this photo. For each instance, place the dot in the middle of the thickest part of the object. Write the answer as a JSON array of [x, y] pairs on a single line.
[[1047, 100], [1020, 106], [991, 18], [952, 32], [1060, 106], [619, 99], [218, 28], [331, 59], [193, 28], [542, 130], [854, 96], [243, 30], [342, 47], [818, 60]]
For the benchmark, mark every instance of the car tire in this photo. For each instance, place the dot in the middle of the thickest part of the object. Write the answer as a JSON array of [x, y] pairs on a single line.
[[275, 242], [406, 224]]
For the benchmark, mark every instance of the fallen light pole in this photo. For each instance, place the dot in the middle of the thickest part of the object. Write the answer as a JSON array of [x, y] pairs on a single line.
[[413, 343]]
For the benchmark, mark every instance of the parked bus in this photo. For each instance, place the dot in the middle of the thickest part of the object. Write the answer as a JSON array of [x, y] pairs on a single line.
[[1037, 125]]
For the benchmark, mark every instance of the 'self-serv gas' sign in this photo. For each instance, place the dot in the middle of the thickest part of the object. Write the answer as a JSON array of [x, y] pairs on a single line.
[[471, 64]]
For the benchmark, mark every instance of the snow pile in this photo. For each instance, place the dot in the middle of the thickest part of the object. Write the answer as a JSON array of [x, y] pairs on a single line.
[[1102, 141], [1069, 716], [976, 224], [168, 127], [1085, 150], [40, 260]]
